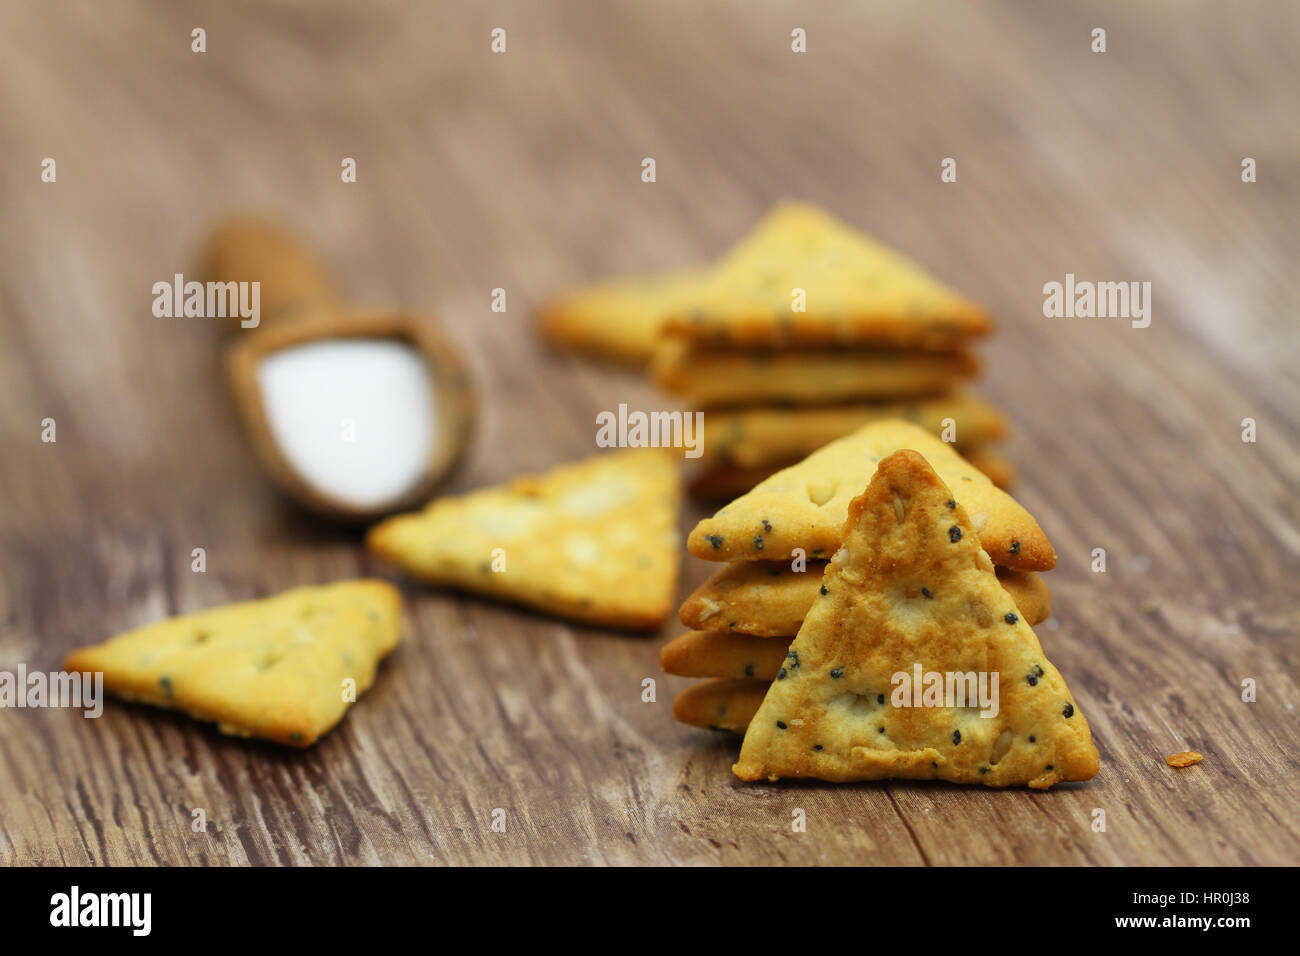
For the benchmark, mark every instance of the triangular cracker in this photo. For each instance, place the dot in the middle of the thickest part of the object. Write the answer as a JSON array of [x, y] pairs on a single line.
[[620, 318], [273, 668], [721, 704], [804, 506], [770, 598], [724, 481], [594, 540], [726, 377], [912, 592], [750, 437], [857, 291], [722, 654]]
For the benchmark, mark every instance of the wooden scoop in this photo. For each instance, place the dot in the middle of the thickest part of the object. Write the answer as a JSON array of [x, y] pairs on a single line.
[[314, 361]]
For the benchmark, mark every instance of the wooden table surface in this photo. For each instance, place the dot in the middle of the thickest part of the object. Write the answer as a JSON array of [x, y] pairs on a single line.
[[522, 171]]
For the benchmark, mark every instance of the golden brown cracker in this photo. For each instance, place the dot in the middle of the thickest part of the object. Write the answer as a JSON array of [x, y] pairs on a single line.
[[912, 594], [593, 541], [716, 378], [804, 277], [722, 654], [619, 318], [804, 506], [769, 598], [753, 437], [723, 704], [284, 668]]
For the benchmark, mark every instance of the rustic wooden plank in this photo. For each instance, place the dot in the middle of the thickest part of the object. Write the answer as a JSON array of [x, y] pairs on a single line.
[[522, 171]]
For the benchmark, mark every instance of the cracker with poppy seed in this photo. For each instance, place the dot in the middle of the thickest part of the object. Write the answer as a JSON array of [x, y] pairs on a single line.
[[619, 318], [722, 654], [751, 437], [843, 710], [854, 290], [594, 541], [804, 506], [723, 481], [770, 599], [722, 704], [720, 377], [276, 668]]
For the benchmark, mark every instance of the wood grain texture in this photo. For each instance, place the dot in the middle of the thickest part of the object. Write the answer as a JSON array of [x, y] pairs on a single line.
[[521, 171]]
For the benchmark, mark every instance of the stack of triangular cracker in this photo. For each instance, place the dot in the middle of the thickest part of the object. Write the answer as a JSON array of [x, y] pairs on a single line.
[[803, 332], [883, 553]]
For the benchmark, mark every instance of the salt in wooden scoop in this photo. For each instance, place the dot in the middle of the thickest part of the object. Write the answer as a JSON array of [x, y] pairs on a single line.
[[356, 414]]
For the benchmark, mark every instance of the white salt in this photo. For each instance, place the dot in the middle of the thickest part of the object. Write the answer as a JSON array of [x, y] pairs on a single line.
[[355, 418]]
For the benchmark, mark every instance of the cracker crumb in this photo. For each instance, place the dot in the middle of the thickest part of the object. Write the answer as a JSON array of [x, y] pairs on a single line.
[[711, 607], [1184, 759]]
